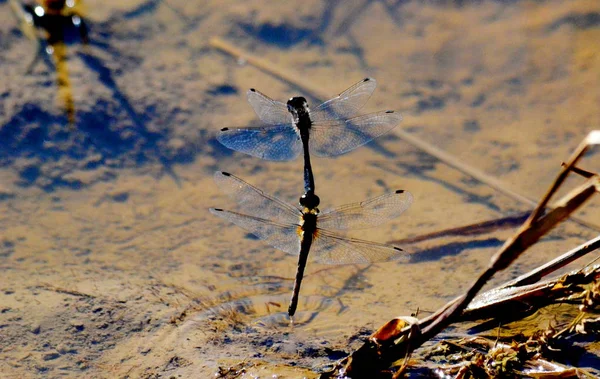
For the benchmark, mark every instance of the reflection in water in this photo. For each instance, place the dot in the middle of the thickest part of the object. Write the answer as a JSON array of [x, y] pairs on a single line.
[[50, 25]]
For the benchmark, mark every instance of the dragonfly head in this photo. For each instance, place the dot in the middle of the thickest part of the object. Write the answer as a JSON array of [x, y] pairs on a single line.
[[309, 200], [297, 106]]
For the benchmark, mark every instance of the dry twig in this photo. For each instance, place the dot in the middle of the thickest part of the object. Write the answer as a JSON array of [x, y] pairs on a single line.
[[388, 344]]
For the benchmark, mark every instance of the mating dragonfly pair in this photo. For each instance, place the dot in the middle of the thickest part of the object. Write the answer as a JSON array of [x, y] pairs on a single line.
[[330, 129]]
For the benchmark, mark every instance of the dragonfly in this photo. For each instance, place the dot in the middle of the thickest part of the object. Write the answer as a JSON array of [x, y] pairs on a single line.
[[303, 230], [331, 129]]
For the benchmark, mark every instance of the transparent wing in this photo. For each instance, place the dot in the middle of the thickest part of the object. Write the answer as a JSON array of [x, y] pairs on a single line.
[[346, 104], [272, 142], [256, 202], [270, 111], [331, 248], [281, 236], [336, 137], [368, 213]]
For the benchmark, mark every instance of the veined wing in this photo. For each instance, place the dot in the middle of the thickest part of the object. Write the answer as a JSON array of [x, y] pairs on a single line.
[[368, 213], [281, 236], [270, 111], [255, 201], [271, 142], [346, 104], [332, 248], [336, 137]]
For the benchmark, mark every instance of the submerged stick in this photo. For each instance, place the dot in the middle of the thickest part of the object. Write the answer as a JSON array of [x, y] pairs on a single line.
[[269, 68]]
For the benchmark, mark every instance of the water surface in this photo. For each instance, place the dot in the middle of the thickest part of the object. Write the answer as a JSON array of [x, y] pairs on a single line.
[[111, 265]]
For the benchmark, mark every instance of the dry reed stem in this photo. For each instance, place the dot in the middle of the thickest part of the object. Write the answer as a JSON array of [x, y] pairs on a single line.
[[377, 354], [539, 293], [559, 262], [593, 138]]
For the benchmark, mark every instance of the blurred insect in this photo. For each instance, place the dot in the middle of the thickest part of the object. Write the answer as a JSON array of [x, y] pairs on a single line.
[[49, 24], [299, 231]]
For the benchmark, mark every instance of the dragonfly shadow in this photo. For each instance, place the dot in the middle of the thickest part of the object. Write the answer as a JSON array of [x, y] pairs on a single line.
[[106, 78], [143, 9], [350, 285], [149, 138], [46, 154], [26, 132], [150, 7], [453, 248], [218, 151], [379, 148], [283, 36], [419, 168]]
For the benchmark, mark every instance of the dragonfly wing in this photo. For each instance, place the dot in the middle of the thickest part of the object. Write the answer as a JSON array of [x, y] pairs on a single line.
[[272, 142], [256, 202], [332, 248], [336, 137], [281, 236], [368, 213], [347, 103], [270, 111]]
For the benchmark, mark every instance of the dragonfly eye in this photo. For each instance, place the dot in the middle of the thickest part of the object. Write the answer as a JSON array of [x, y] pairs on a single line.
[[309, 200], [297, 105]]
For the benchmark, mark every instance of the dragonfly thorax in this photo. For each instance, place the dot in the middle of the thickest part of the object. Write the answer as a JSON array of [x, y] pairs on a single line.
[[309, 221]]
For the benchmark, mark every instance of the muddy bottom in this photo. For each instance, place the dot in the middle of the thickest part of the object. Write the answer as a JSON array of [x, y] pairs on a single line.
[[111, 264]]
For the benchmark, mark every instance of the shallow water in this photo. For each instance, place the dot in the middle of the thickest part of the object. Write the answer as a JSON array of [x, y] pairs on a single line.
[[111, 264]]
